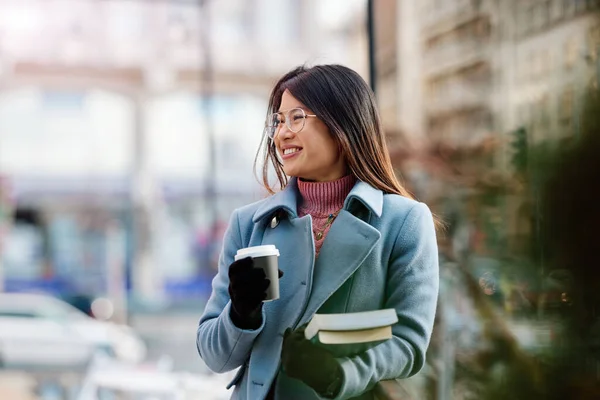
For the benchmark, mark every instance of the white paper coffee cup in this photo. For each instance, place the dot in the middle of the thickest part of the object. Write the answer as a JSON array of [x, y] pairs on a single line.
[[266, 258]]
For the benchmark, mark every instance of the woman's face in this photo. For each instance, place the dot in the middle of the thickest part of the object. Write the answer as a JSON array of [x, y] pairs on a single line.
[[311, 154]]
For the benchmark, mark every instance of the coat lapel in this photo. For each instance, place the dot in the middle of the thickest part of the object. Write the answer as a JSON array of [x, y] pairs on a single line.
[[286, 200], [348, 243]]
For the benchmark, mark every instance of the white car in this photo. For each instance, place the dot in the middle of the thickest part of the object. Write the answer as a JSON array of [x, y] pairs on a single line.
[[108, 378], [40, 331], [140, 384]]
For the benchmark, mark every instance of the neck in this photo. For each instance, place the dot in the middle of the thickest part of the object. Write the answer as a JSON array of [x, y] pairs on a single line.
[[324, 198]]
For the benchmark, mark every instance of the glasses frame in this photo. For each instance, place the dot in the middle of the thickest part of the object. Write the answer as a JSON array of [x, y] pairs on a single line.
[[275, 129]]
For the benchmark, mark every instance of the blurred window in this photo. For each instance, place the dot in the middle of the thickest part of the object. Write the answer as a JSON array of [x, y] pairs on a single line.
[[570, 52], [432, 89], [125, 34], [181, 43], [568, 7], [533, 65], [61, 132], [549, 6], [593, 42], [63, 101], [546, 63], [593, 85], [545, 112], [20, 18], [532, 112], [182, 21], [482, 27], [581, 5], [426, 8], [557, 9], [125, 21], [523, 114], [22, 256], [522, 68], [541, 15], [279, 21], [565, 111], [66, 243], [232, 20], [529, 21]]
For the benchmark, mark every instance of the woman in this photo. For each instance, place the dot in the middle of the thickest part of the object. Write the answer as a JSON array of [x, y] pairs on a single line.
[[350, 238]]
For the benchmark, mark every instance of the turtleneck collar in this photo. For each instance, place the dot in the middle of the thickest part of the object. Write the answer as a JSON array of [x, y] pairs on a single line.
[[323, 198]]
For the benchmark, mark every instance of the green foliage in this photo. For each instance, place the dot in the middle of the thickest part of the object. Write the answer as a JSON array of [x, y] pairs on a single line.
[[520, 148]]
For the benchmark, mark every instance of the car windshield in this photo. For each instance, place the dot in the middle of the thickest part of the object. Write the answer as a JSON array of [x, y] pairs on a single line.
[[37, 307]]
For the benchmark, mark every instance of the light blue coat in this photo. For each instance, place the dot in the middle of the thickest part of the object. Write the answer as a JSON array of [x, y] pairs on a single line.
[[380, 252]]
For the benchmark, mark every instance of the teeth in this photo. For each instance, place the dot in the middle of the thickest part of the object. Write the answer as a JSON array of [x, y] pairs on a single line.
[[290, 151]]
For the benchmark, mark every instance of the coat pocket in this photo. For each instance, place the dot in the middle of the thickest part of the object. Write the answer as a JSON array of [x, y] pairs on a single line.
[[238, 376]]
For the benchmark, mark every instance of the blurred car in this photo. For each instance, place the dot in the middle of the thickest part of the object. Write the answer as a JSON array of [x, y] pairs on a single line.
[[38, 331], [152, 385], [109, 380]]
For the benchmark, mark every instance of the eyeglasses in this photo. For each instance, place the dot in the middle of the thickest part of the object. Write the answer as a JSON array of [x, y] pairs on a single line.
[[294, 120]]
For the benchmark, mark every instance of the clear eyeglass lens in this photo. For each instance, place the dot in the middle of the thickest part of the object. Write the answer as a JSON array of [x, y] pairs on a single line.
[[294, 119], [270, 131], [272, 124], [275, 120]]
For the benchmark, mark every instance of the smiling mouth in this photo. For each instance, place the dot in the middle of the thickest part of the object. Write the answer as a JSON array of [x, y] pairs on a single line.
[[291, 151]]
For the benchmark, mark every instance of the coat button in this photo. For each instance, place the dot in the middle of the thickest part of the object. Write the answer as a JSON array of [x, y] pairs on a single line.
[[274, 222]]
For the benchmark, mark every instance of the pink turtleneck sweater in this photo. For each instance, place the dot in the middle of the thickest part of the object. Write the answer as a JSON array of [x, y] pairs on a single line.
[[320, 199]]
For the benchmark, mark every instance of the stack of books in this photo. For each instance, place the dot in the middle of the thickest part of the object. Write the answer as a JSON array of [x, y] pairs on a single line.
[[349, 334]]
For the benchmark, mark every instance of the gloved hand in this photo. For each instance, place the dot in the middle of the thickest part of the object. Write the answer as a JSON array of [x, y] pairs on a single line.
[[311, 364], [247, 290]]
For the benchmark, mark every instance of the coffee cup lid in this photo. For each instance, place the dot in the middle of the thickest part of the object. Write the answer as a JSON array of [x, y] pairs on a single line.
[[257, 251]]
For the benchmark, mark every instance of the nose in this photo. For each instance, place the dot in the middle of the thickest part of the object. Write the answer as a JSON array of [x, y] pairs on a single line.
[[284, 132]]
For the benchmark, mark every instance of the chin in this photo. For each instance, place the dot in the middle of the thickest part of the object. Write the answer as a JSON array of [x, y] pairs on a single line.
[[292, 172]]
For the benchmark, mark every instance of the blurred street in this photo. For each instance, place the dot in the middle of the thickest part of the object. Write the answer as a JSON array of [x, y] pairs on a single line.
[[173, 353], [128, 136], [178, 346]]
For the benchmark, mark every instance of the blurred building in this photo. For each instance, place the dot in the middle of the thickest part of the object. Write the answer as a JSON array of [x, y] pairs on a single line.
[[140, 120], [436, 62], [441, 59], [554, 61], [458, 70], [550, 62], [457, 79]]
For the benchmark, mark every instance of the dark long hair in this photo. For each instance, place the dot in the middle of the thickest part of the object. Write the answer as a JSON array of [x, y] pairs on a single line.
[[344, 102]]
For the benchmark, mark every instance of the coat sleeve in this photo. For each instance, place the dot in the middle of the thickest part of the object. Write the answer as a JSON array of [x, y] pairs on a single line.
[[221, 344], [412, 289]]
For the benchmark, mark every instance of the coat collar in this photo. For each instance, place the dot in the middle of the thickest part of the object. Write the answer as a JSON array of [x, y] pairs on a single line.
[[287, 200]]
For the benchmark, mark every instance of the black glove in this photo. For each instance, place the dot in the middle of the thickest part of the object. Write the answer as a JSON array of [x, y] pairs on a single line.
[[311, 364], [247, 290]]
